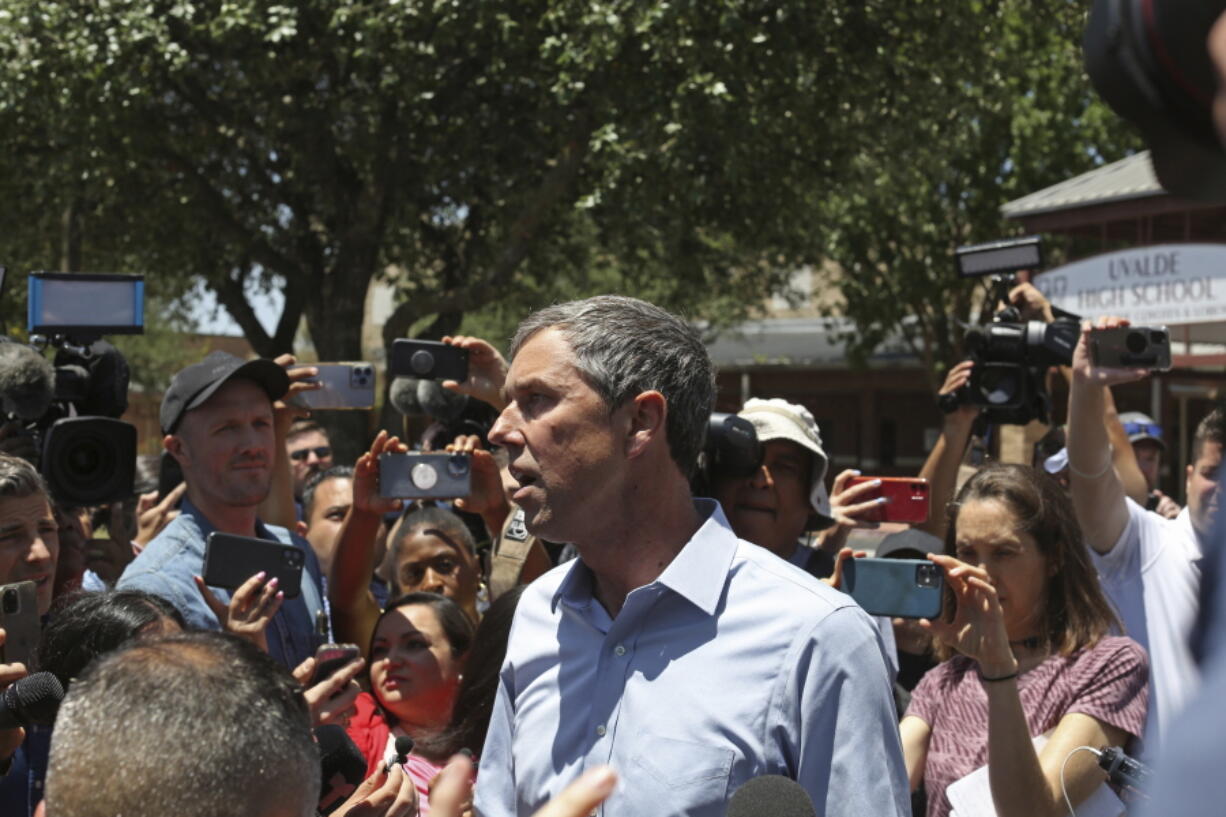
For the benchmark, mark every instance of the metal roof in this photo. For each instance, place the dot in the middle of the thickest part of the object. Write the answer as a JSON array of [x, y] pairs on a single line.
[[1129, 178]]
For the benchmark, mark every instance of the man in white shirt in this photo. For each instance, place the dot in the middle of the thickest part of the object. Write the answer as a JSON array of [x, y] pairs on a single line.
[[1149, 565]]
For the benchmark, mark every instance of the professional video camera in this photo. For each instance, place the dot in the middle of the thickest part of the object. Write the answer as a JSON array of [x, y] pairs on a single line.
[[71, 409], [1011, 357], [731, 451]]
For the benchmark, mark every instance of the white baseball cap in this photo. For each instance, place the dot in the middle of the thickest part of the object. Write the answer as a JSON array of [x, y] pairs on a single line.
[[777, 419]]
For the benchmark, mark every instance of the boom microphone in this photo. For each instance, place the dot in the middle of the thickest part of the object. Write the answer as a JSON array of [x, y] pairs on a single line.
[[771, 795], [31, 701], [341, 767], [27, 381]]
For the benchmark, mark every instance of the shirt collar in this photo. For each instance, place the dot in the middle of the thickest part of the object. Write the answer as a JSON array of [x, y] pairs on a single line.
[[698, 573], [186, 508]]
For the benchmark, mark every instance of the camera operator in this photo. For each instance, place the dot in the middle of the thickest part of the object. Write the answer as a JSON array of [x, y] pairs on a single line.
[[1149, 565], [218, 418]]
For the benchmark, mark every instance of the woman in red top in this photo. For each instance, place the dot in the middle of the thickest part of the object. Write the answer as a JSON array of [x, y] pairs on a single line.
[[416, 658]]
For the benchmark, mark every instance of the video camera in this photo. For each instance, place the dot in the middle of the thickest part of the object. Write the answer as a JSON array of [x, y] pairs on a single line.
[[1011, 356], [732, 450], [71, 409]]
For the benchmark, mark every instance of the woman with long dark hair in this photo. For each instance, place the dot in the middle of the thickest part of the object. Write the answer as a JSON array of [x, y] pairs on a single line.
[[1026, 653], [416, 660]]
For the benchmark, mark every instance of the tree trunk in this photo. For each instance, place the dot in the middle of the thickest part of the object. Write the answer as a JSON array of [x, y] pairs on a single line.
[[334, 321]]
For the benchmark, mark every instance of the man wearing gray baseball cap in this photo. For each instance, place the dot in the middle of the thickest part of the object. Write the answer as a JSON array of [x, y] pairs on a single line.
[[218, 421]]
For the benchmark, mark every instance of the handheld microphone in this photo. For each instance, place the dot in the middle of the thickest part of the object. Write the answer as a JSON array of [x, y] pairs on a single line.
[[341, 767], [31, 701], [771, 795], [1123, 770], [404, 745]]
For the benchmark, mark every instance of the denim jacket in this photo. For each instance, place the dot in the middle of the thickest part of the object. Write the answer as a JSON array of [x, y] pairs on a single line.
[[166, 567]]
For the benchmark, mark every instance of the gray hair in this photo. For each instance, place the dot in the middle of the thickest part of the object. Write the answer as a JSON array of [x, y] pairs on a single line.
[[624, 347], [194, 725], [19, 479]]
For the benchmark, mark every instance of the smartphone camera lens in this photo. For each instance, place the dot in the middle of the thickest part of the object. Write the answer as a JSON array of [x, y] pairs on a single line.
[[457, 465], [1157, 338], [1136, 342], [422, 363], [424, 476], [293, 558], [10, 601], [926, 575]]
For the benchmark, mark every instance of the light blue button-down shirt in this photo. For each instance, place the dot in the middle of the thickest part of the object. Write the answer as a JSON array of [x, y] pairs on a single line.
[[732, 664]]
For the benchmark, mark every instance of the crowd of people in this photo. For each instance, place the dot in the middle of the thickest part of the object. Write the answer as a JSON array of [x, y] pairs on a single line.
[[580, 611]]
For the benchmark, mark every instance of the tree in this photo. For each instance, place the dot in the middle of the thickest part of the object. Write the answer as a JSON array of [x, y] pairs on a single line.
[[498, 154], [985, 107]]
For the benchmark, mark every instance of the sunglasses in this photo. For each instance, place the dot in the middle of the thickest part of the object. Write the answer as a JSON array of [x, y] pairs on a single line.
[[321, 452]]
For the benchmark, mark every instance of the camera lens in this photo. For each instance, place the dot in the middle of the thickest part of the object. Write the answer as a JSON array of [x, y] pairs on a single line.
[[1135, 342], [10, 601], [422, 363], [1156, 337], [457, 465], [90, 460], [293, 558], [424, 476]]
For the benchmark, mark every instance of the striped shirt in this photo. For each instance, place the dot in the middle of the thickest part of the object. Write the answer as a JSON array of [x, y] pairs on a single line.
[[1107, 681]]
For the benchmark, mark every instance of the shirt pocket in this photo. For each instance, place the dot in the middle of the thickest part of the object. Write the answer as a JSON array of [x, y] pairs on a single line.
[[690, 774]]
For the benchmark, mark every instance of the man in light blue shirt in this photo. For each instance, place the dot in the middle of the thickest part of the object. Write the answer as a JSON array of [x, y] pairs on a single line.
[[689, 660], [218, 419]]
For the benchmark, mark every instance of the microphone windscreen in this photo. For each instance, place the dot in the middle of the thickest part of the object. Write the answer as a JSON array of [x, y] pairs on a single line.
[[27, 381], [342, 766], [771, 795], [404, 745], [34, 699], [439, 403], [403, 395]]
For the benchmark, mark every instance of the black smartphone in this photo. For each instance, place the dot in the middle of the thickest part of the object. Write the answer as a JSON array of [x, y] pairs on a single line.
[[1132, 347], [20, 620], [329, 658], [230, 560], [428, 360], [424, 476], [902, 588]]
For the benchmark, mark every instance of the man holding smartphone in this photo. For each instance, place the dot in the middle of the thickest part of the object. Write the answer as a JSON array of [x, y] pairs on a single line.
[[218, 418]]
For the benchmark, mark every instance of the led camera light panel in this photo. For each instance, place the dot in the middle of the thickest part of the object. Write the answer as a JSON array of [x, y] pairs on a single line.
[[63, 303]]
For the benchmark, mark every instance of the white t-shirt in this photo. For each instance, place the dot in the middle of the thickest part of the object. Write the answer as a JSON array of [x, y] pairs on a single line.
[[1152, 576]]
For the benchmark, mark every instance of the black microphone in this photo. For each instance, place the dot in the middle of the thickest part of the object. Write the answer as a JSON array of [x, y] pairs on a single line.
[[404, 745], [30, 701], [1123, 770], [771, 795], [342, 767]]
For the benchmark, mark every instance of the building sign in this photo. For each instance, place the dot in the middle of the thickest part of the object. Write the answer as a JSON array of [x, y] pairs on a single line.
[[1166, 284]]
